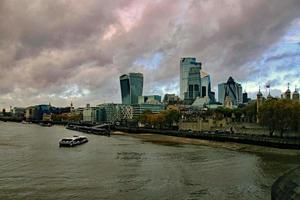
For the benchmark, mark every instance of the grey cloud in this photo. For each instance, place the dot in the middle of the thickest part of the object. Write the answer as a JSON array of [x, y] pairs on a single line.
[[47, 47]]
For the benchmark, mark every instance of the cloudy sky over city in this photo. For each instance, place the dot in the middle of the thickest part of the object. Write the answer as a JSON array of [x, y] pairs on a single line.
[[60, 51]]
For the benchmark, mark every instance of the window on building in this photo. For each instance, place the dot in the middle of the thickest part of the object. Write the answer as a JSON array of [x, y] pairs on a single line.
[[204, 91]]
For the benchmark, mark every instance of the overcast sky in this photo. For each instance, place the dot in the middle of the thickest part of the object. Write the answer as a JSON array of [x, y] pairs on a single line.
[[70, 50]]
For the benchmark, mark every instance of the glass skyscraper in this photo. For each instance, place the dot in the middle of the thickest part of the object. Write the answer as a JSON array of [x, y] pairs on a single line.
[[194, 85], [131, 87], [231, 89], [185, 65]]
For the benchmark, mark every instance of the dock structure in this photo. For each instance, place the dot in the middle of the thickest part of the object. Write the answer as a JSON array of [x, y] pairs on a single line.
[[96, 130]]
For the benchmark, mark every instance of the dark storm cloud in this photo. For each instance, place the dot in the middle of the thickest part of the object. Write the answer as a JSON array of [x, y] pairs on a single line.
[[60, 50]]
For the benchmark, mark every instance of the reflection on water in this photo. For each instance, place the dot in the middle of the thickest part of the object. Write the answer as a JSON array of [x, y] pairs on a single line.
[[121, 167]]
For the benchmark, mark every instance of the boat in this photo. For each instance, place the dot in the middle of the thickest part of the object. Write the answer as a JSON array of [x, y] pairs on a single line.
[[73, 141], [45, 124]]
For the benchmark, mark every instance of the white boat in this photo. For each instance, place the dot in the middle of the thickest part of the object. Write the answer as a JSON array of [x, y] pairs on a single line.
[[73, 141]]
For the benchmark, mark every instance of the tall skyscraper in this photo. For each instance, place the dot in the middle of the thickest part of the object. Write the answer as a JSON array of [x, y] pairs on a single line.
[[232, 89], [194, 85], [131, 87], [185, 65], [206, 86]]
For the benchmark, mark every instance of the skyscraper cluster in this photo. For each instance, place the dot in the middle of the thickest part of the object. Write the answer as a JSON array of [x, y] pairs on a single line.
[[195, 87]]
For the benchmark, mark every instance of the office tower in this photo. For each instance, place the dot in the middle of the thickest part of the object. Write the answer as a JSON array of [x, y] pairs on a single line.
[[245, 97], [131, 87], [232, 89], [194, 85], [185, 65], [206, 86]]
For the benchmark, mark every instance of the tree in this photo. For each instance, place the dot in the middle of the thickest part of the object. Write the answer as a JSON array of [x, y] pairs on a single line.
[[172, 116], [250, 111], [267, 115], [282, 115], [222, 112], [144, 117], [160, 120]]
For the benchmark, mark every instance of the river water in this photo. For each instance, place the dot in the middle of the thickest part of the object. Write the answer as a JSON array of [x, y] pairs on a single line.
[[33, 167]]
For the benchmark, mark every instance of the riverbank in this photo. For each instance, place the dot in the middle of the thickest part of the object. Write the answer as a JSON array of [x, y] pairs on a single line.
[[277, 142], [173, 141]]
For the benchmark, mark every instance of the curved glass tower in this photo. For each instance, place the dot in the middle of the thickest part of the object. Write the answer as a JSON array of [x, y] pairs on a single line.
[[131, 87]]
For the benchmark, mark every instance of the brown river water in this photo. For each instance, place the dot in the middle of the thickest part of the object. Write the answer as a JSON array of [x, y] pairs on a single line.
[[33, 167]]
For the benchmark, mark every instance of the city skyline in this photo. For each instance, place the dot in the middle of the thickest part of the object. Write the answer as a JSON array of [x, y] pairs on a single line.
[[68, 51]]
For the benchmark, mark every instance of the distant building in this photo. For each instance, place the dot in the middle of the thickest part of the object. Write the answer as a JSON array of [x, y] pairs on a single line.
[[245, 98], [91, 115], [194, 85], [139, 109], [206, 86], [228, 102], [185, 65], [35, 113], [194, 82], [232, 89], [153, 99], [171, 99], [287, 94], [131, 87], [201, 102], [296, 95], [111, 113]]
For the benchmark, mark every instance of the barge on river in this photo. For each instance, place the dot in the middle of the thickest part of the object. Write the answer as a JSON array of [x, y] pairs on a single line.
[[90, 130]]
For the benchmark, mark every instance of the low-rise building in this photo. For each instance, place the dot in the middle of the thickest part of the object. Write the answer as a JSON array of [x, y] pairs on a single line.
[[111, 113], [201, 124], [91, 115], [171, 99], [152, 99], [139, 109]]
